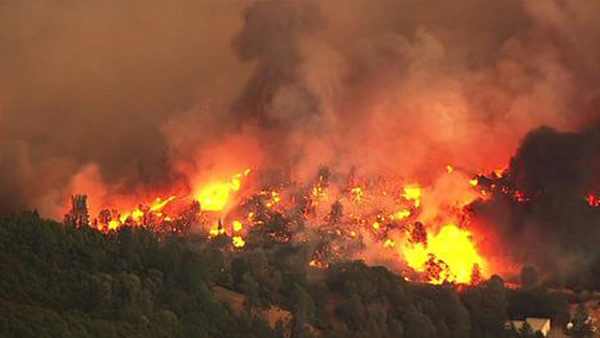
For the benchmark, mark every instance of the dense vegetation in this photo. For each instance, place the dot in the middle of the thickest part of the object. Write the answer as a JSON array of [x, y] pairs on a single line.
[[59, 281]]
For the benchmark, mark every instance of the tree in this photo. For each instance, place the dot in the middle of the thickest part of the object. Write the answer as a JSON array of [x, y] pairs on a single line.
[[487, 308], [251, 289], [303, 311], [418, 325], [529, 277], [336, 214], [580, 325]]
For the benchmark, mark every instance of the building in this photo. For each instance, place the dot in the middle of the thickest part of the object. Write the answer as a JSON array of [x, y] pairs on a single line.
[[543, 325]]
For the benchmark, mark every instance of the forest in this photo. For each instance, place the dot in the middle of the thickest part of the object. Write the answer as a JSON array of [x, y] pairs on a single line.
[[58, 280]]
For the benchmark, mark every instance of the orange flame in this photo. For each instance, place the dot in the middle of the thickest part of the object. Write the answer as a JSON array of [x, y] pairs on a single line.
[[413, 192], [452, 246], [238, 241], [374, 210], [237, 226], [215, 195]]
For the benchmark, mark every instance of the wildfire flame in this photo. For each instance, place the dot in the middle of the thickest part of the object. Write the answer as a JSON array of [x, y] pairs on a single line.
[[215, 195], [386, 211], [448, 256], [238, 242], [413, 192]]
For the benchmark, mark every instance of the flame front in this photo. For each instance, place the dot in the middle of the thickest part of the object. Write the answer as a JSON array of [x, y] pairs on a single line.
[[215, 195], [400, 218], [448, 256]]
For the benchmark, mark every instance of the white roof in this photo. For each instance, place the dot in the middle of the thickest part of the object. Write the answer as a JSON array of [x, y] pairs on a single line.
[[537, 324]]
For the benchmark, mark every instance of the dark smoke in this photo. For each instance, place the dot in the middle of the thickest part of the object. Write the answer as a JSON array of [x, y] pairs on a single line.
[[143, 96], [277, 97], [554, 165], [551, 225]]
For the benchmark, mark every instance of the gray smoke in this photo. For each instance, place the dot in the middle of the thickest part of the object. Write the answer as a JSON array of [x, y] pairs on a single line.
[[277, 98], [139, 96]]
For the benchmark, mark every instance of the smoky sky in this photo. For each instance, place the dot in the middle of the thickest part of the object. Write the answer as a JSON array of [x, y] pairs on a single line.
[[137, 95], [93, 83], [552, 227]]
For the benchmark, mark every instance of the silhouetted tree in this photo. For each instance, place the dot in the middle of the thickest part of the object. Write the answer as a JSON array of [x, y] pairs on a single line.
[[529, 277]]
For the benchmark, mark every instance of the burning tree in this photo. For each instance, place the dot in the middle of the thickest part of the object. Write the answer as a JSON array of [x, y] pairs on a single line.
[[78, 216], [341, 219]]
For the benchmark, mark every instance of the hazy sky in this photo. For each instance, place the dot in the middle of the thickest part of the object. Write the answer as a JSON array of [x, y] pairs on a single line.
[[131, 86]]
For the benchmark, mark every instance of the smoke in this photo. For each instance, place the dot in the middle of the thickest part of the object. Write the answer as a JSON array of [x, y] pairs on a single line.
[[94, 84], [425, 100], [278, 98], [552, 226], [369, 93], [144, 98], [549, 164]]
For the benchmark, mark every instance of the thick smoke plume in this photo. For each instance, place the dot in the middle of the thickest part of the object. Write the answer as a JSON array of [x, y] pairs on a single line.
[[142, 98], [553, 224]]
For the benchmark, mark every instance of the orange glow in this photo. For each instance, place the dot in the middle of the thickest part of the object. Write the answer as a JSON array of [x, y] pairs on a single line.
[[137, 215], [113, 225], [413, 193], [274, 198], [215, 195], [159, 204], [453, 248], [402, 214], [319, 191], [318, 264], [357, 194], [374, 212], [238, 242], [389, 243], [237, 226], [216, 230]]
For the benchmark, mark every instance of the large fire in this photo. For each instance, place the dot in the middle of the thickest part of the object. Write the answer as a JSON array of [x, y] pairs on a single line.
[[215, 195], [450, 255], [347, 218]]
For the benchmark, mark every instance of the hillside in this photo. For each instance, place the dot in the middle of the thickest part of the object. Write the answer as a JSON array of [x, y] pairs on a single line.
[[61, 281]]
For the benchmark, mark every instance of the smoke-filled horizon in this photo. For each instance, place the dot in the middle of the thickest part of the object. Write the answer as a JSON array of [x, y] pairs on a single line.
[[138, 95]]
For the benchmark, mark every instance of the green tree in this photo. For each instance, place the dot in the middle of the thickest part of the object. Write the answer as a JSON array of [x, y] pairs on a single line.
[[251, 290], [418, 325], [303, 311]]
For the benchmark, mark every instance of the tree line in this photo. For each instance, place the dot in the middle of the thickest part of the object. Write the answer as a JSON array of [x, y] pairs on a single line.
[[62, 281]]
